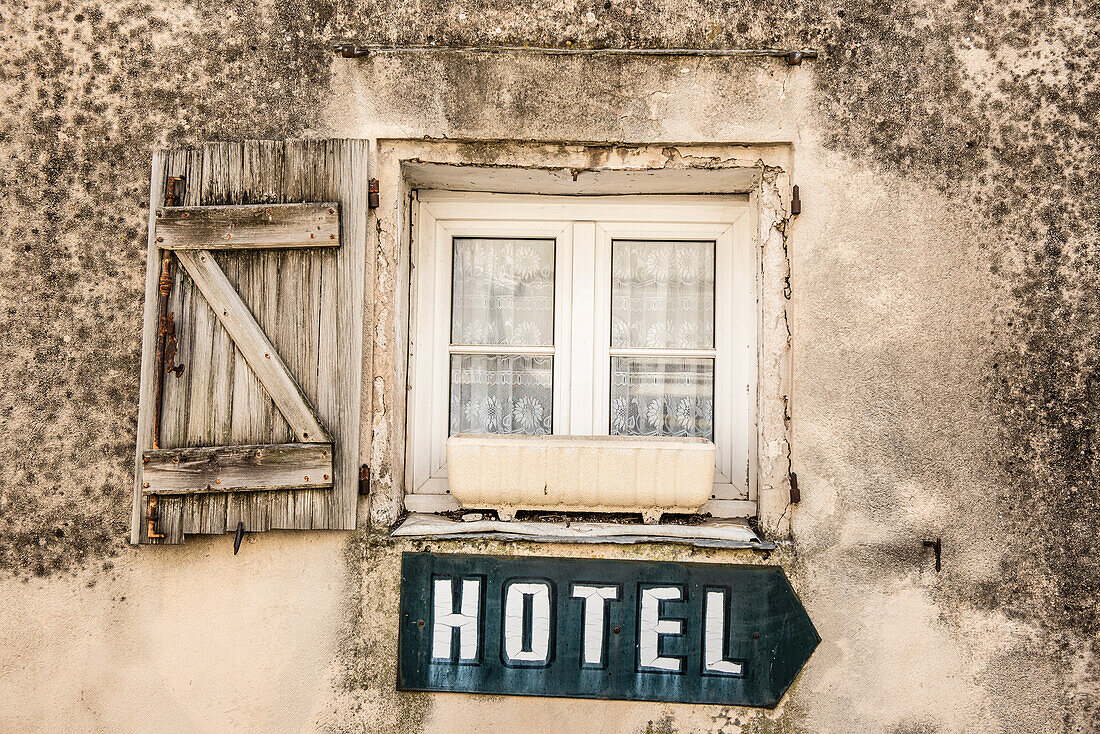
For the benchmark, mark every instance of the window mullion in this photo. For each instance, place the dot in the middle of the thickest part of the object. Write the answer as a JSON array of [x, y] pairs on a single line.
[[582, 388], [563, 326], [600, 364]]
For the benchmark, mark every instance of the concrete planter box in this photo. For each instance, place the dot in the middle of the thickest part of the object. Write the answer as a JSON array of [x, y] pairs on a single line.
[[580, 473]]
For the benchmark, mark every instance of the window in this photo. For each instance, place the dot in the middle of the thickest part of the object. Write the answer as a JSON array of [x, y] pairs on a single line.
[[586, 315]]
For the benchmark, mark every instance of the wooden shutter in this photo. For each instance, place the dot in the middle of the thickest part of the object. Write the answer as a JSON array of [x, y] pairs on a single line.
[[259, 249]]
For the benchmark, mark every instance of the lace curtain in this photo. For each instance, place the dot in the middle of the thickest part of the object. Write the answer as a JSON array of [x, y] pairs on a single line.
[[662, 294], [503, 295], [662, 297]]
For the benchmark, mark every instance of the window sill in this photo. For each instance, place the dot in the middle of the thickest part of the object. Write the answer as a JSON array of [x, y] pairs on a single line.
[[712, 533], [435, 503]]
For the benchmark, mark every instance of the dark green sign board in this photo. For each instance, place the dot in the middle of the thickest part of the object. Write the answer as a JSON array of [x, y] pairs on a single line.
[[592, 628]]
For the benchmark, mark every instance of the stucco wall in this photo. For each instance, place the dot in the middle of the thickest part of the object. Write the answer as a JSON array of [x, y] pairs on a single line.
[[944, 300]]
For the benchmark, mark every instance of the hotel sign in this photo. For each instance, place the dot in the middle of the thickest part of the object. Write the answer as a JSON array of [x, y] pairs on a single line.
[[592, 628]]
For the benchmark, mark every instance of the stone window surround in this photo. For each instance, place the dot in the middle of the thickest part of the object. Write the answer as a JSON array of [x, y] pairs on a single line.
[[403, 165]]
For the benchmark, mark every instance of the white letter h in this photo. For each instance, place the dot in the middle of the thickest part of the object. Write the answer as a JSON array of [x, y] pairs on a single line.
[[446, 619]]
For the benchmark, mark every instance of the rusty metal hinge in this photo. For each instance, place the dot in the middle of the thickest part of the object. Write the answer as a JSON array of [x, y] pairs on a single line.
[[167, 344], [151, 518], [172, 196], [796, 496], [364, 479], [796, 203], [372, 194], [171, 344]]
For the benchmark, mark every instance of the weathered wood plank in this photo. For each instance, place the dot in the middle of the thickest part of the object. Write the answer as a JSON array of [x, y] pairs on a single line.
[[200, 419], [251, 226], [349, 173], [169, 523], [205, 513], [311, 168], [223, 356], [258, 182], [209, 469], [147, 390], [166, 164], [253, 344], [266, 294]]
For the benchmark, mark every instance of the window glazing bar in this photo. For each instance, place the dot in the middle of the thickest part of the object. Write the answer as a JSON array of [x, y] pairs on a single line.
[[501, 349], [639, 352]]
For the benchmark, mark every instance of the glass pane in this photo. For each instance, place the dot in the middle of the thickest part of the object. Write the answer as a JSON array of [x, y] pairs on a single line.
[[653, 396], [662, 294], [503, 292], [493, 393]]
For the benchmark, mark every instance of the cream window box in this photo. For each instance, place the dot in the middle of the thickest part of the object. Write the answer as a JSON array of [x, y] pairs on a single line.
[[649, 475]]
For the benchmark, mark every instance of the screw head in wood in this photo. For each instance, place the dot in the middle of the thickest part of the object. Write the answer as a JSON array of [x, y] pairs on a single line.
[[145, 485], [267, 356], [306, 478], [332, 236], [325, 477], [217, 481], [312, 236], [331, 211], [160, 239]]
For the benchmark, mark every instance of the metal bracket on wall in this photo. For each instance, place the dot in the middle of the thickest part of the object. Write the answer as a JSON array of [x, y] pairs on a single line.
[[937, 548], [796, 203], [796, 496], [372, 194]]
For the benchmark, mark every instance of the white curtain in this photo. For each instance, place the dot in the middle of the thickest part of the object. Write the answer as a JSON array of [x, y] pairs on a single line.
[[662, 297], [662, 294], [658, 396], [503, 295]]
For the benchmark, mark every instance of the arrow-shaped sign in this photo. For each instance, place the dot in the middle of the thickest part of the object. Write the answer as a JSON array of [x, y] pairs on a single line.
[[590, 628]]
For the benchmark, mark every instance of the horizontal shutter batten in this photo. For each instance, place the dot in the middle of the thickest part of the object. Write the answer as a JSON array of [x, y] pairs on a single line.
[[237, 468], [251, 226]]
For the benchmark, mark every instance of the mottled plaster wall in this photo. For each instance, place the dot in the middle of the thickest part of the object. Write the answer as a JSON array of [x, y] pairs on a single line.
[[946, 321]]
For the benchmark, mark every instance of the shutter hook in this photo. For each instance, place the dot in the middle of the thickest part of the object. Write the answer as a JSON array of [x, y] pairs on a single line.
[[937, 548], [238, 537]]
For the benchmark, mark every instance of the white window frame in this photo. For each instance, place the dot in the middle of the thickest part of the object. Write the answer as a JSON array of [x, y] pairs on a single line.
[[584, 228]]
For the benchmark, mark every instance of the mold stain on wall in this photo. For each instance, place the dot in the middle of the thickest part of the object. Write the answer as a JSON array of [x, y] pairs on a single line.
[[993, 104]]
